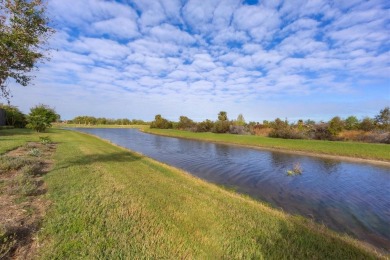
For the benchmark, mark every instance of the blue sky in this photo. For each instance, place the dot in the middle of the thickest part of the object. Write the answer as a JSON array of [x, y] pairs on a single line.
[[264, 59]]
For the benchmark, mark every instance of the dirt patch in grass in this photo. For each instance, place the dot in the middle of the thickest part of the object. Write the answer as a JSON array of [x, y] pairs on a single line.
[[21, 202]]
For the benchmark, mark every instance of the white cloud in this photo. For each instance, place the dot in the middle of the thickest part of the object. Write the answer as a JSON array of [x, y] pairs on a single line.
[[82, 13], [119, 27], [152, 12], [101, 49], [161, 54], [169, 33]]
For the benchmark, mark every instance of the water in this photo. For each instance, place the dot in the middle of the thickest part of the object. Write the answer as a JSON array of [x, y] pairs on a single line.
[[352, 198]]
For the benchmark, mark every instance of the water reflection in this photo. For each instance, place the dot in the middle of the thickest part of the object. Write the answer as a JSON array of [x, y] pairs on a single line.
[[329, 166], [347, 197]]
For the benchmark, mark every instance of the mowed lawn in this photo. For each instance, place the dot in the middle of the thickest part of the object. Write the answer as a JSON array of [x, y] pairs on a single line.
[[110, 203], [338, 148]]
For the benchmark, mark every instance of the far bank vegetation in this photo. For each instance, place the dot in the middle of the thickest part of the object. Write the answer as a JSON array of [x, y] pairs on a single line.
[[372, 130]]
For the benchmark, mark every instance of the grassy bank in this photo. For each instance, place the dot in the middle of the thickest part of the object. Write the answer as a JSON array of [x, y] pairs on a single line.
[[109, 203], [348, 149]]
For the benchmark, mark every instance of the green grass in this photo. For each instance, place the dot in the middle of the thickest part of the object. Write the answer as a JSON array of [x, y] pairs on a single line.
[[13, 138], [349, 149], [110, 203]]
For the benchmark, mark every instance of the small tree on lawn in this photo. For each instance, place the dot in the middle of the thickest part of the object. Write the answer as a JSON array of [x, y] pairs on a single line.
[[41, 117]]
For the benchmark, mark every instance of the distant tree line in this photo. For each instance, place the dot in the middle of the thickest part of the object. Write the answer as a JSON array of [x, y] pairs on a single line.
[[368, 129], [90, 120]]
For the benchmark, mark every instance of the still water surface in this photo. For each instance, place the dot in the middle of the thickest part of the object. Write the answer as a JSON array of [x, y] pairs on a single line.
[[348, 197]]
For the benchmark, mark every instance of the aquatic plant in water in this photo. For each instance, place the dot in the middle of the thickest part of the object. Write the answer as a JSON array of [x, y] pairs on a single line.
[[297, 169]]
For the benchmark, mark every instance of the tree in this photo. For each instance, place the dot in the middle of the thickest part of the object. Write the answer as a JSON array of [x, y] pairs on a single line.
[[185, 123], [160, 122], [383, 119], [240, 120], [41, 117], [222, 116], [351, 123], [310, 122], [24, 31], [14, 117], [222, 124], [205, 126], [367, 124], [335, 126], [300, 125], [278, 124]]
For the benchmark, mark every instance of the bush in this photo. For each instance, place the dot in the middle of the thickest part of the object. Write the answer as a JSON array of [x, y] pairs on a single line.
[[320, 132], [24, 185], [8, 163], [34, 152], [351, 123], [161, 123], [45, 140], [287, 133], [41, 117], [221, 127], [31, 169], [260, 129], [185, 123], [14, 117], [374, 137], [205, 126], [238, 130], [367, 124], [335, 126]]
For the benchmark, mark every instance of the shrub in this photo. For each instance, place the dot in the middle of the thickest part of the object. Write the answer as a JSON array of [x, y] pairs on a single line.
[[161, 123], [34, 152], [221, 127], [23, 185], [335, 126], [8, 163], [205, 126], [31, 169], [14, 117], [320, 132], [260, 129], [185, 123], [287, 133], [351, 123], [238, 129], [41, 117], [374, 137], [367, 124], [45, 140], [278, 124]]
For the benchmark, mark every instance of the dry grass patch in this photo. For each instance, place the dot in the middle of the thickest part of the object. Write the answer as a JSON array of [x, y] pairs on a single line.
[[22, 204]]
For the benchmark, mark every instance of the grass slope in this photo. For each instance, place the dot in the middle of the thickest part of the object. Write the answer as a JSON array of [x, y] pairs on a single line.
[[349, 149], [13, 138], [109, 203]]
